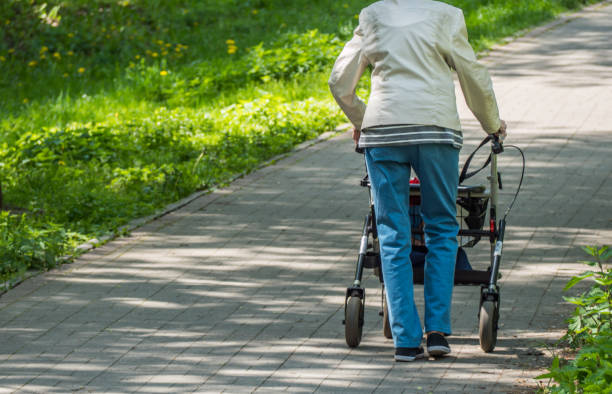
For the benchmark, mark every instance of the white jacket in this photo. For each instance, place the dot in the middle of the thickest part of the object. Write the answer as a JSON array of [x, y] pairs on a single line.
[[412, 45]]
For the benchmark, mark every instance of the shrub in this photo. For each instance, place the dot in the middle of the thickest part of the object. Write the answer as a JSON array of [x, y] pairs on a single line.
[[589, 372], [28, 244], [589, 328], [592, 315]]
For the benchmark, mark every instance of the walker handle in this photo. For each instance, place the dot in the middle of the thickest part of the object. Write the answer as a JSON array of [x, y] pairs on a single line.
[[497, 143], [496, 148]]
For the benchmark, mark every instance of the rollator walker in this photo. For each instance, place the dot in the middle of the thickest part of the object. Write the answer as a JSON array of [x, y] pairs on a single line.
[[472, 205]]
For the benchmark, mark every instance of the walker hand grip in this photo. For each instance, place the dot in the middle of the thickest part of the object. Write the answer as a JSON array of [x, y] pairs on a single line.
[[498, 147], [359, 150]]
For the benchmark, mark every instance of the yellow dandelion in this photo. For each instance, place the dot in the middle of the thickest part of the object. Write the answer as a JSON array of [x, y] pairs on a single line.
[[107, 36], [154, 54], [230, 42], [164, 53], [44, 49], [168, 45], [43, 57], [232, 49], [12, 50], [356, 16], [57, 55], [177, 49], [345, 5], [65, 75], [70, 35], [61, 163], [255, 12], [163, 73], [70, 53], [148, 52], [160, 42], [8, 22], [32, 63], [81, 70], [132, 65], [25, 100], [137, 57], [2, 59]]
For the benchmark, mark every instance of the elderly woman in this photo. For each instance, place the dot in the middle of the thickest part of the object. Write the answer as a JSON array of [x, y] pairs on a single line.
[[411, 122]]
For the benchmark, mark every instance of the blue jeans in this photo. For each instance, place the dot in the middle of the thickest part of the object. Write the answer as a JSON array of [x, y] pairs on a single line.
[[436, 165]]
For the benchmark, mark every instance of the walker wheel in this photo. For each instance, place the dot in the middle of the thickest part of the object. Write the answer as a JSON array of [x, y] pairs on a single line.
[[489, 315], [353, 322], [386, 324]]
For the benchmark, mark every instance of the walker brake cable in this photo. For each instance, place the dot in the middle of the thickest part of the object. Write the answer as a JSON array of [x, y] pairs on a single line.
[[518, 189], [497, 148]]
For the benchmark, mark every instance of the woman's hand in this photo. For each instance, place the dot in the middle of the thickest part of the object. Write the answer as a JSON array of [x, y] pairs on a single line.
[[501, 133], [356, 134]]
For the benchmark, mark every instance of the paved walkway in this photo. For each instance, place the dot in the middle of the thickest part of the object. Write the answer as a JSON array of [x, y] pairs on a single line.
[[242, 290]]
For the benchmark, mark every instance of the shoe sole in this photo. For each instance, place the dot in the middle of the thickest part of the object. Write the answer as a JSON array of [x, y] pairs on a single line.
[[409, 358], [438, 351]]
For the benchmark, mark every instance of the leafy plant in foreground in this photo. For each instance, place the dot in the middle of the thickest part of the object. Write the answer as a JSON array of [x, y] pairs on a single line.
[[594, 309], [589, 372], [589, 327]]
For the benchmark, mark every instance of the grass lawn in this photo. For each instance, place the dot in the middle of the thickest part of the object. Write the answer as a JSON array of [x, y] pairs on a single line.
[[112, 109]]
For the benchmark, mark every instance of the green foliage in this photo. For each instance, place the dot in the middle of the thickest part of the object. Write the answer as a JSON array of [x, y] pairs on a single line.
[[95, 178], [88, 46], [594, 307], [589, 372], [293, 54], [26, 243], [588, 328], [290, 56]]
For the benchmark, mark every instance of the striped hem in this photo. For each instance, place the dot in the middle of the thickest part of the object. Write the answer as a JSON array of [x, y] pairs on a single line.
[[396, 135]]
